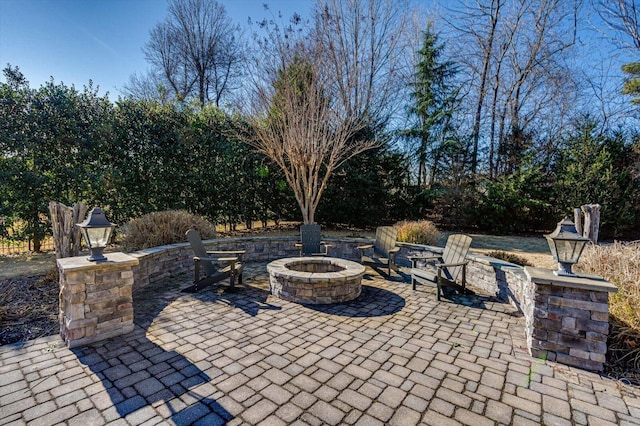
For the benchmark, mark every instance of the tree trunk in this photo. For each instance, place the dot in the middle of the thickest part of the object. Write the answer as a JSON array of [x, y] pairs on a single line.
[[493, 17], [577, 219], [66, 236], [591, 221]]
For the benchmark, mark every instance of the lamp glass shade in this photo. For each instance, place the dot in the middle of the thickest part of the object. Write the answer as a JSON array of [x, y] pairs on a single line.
[[566, 245], [96, 230], [569, 251], [97, 237]]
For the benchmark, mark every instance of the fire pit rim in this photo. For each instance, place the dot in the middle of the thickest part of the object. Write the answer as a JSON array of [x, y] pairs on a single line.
[[351, 269]]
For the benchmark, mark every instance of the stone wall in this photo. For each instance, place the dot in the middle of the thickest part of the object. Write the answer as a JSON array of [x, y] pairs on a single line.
[[95, 298], [158, 263], [570, 318]]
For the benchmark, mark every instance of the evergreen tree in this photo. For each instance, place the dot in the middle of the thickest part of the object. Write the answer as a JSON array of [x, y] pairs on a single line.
[[434, 98], [632, 83]]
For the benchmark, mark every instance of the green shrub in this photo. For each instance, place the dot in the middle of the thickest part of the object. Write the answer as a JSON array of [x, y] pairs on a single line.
[[509, 257], [160, 228], [418, 232], [620, 264]]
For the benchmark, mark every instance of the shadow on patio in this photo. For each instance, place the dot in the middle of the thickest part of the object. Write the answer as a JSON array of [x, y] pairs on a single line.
[[136, 372]]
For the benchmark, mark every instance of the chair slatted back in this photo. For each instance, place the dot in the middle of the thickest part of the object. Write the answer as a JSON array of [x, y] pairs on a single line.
[[310, 239], [385, 240], [198, 249], [455, 252]]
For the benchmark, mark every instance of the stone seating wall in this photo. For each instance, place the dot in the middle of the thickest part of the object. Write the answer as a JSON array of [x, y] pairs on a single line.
[[502, 279], [158, 263], [568, 326]]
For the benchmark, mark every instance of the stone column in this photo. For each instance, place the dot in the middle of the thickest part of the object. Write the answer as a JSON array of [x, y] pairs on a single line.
[[95, 298], [567, 318]]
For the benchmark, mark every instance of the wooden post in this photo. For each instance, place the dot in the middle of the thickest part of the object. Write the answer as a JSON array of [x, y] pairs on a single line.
[[66, 237], [577, 219], [591, 221]]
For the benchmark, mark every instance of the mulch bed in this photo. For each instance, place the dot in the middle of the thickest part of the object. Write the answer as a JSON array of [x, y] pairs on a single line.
[[28, 308]]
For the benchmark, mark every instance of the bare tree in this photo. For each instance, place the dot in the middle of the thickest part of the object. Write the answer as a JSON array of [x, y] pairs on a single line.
[[623, 18], [149, 86], [296, 121], [165, 52], [515, 56], [198, 50], [364, 44]]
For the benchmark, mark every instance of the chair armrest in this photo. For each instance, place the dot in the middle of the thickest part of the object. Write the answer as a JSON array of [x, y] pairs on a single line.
[[447, 265], [367, 246], [215, 259], [421, 257], [298, 245], [393, 253]]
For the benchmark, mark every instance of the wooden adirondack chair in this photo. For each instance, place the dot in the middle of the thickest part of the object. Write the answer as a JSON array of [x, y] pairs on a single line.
[[384, 250], [452, 262], [217, 264], [310, 242]]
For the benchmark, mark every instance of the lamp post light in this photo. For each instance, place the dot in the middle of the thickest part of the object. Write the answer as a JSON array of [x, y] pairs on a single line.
[[96, 230], [566, 246]]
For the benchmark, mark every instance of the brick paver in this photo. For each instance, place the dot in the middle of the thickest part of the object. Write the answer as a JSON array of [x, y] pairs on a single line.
[[393, 356]]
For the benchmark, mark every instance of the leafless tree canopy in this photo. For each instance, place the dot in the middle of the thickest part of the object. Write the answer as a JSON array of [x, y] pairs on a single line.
[[296, 120], [516, 55], [197, 49], [364, 43], [623, 18]]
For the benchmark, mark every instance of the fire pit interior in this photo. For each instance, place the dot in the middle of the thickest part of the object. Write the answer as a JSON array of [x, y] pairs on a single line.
[[314, 267], [315, 280]]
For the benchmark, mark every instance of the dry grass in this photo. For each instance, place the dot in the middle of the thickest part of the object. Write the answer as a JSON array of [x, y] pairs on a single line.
[[418, 232], [26, 265], [510, 257], [620, 264], [161, 228]]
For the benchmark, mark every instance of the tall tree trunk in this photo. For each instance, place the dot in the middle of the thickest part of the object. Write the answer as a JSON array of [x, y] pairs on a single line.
[[493, 16]]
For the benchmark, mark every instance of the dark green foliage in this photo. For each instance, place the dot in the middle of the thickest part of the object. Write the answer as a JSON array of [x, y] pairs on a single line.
[[632, 83], [136, 157], [592, 167], [515, 202], [434, 99], [49, 144], [367, 190], [132, 158]]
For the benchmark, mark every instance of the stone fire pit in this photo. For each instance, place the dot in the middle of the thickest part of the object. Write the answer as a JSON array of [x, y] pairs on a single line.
[[315, 280]]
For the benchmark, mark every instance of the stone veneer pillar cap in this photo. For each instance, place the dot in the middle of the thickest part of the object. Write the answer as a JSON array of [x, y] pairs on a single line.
[[79, 263], [542, 276]]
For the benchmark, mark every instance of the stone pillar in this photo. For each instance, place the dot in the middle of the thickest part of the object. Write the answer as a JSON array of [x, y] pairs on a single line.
[[95, 298], [568, 318]]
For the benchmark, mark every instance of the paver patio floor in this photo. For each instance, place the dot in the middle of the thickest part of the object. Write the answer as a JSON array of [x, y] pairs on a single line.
[[393, 356]]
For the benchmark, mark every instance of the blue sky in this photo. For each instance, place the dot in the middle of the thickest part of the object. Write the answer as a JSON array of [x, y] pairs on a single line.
[[78, 40]]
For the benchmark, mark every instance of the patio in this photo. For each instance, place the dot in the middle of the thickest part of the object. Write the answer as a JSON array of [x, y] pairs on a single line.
[[392, 356]]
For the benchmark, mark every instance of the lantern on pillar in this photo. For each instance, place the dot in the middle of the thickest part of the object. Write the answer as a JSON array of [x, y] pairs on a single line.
[[566, 246], [96, 230]]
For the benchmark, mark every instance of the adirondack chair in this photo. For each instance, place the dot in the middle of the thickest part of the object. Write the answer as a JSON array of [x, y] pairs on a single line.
[[384, 250], [217, 264], [310, 243], [452, 263]]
